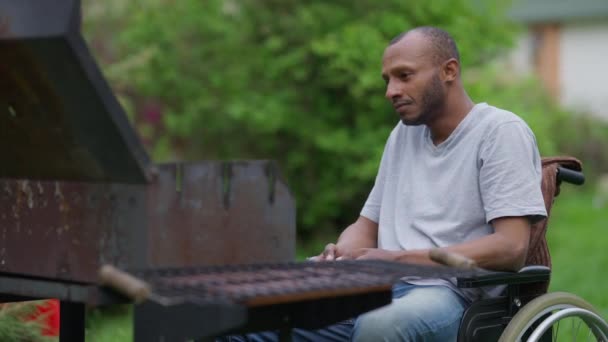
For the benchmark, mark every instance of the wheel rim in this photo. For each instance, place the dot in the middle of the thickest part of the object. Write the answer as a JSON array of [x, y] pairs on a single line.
[[593, 321], [584, 318], [541, 314]]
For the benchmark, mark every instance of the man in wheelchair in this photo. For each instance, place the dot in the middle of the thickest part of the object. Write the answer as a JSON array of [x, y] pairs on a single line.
[[454, 175]]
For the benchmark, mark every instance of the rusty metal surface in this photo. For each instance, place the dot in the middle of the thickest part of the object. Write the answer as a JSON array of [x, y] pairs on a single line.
[[57, 113], [193, 214], [65, 230], [220, 213]]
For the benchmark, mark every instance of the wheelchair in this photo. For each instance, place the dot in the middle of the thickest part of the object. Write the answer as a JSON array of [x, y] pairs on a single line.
[[525, 311]]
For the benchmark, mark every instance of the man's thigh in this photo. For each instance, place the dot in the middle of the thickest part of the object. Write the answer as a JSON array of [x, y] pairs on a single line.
[[422, 313]]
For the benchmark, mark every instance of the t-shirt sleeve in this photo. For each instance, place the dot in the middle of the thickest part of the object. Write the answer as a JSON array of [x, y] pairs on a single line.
[[371, 208], [510, 173]]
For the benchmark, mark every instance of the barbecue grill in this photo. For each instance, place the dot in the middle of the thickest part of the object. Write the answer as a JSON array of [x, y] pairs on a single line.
[[214, 240], [270, 296], [78, 191]]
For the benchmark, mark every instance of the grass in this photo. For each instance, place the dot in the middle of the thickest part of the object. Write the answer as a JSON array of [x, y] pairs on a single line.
[[577, 241], [111, 324]]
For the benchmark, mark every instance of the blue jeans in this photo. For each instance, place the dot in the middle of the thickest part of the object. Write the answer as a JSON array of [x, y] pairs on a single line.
[[417, 313]]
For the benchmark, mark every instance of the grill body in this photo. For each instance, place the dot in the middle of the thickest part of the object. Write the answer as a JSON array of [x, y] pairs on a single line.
[[77, 188]]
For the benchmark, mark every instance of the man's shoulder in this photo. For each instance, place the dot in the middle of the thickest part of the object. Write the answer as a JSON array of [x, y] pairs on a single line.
[[493, 119], [495, 116]]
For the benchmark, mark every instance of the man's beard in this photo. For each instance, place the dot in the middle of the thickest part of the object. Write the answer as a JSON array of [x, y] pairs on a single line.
[[431, 103]]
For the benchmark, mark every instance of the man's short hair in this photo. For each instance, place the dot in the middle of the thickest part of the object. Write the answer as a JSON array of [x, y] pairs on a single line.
[[443, 44]]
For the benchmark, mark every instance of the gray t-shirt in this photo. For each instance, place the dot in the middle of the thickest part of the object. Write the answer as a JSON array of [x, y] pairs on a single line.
[[429, 196]]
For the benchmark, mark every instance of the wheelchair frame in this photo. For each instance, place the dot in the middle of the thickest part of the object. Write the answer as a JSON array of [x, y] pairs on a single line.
[[517, 315]]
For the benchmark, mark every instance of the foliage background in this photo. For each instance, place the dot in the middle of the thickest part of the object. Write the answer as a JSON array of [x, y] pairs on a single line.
[[288, 80], [299, 82]]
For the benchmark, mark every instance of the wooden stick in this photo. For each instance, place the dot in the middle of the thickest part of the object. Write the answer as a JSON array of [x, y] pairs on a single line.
[[128, 285], [132, 287]]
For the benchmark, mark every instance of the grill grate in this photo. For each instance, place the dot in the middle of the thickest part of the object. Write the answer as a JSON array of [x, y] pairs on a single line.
[[263, 284]]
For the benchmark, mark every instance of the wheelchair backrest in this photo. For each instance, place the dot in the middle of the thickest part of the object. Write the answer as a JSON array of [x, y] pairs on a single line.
[[538, 250]]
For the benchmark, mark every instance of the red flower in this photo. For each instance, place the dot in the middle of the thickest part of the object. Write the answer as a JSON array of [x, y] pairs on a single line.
[[47, 312]]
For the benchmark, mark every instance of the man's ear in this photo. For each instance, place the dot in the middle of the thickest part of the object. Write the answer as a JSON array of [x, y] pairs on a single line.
[[451, 70]]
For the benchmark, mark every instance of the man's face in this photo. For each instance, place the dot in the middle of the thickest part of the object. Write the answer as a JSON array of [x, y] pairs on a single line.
[[413, 84]]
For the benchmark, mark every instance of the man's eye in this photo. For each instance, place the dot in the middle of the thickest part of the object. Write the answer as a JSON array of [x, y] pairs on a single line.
[[405, 75]]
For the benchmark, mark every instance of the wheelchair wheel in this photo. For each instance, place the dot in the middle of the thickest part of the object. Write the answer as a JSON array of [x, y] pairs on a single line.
[[540, 320]]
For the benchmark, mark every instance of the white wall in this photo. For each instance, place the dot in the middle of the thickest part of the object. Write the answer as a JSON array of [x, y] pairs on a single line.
[[584, 67], [521, 58]]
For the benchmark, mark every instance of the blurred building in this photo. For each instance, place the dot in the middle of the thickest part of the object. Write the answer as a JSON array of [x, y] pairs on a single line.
[[566, 44]]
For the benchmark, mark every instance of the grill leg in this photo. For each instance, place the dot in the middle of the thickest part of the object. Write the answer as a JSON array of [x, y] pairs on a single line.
[[285, 334], [71, 322]]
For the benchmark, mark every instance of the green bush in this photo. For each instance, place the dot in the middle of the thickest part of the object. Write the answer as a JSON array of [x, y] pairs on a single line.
[[288, 80], [298, 82]]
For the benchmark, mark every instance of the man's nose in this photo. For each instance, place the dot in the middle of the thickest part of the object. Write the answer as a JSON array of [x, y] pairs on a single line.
[[392, 91]]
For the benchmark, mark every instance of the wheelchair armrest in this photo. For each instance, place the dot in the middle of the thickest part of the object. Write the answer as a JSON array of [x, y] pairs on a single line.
[[528, 274]]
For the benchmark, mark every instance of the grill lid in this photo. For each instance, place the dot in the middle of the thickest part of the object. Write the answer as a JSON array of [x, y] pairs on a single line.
[[58, 117]]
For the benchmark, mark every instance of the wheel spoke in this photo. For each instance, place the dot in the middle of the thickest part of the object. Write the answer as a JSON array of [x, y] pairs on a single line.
[[556, 332], [580, 321]]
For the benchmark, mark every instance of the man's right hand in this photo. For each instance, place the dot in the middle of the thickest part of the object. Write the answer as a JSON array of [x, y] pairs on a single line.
[[330, 253], [361, 234]]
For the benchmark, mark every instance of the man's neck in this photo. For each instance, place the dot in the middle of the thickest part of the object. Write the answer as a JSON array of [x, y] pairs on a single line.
[[455, 110]]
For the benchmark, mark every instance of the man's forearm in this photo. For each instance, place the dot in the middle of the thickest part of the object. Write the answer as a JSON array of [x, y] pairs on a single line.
[[505, 249], [420, 257], [490, 252], [361, 234]]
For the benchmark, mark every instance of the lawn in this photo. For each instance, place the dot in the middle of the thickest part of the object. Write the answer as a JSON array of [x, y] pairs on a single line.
[[578, 243], [576, 238]]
